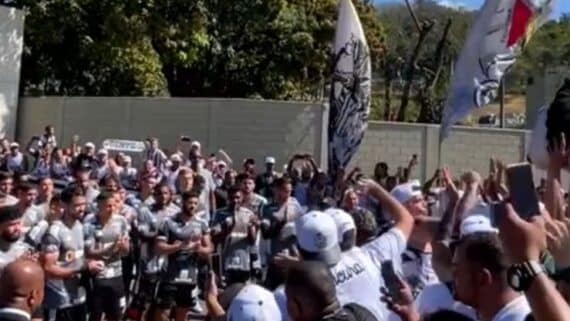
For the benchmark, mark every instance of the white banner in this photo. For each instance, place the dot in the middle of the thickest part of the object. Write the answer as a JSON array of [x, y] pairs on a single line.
[[122, 145], [11, 46], [501, 30], [350, 88]]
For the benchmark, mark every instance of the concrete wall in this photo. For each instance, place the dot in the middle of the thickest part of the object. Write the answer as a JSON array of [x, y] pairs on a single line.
[[466, 148], [247, 128], [243, 128]]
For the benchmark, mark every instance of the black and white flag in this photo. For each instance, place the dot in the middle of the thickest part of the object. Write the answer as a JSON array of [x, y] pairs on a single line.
[[350, 88]]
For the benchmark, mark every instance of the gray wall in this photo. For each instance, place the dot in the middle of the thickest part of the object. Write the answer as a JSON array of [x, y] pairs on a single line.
[[466, 148], [251, 128], [243, 128]]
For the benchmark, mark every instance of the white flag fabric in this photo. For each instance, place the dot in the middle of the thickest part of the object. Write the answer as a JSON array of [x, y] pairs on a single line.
[[350, 88], [501, 30]]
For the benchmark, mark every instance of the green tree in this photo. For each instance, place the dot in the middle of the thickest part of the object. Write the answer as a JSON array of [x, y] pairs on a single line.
[[272, 49]]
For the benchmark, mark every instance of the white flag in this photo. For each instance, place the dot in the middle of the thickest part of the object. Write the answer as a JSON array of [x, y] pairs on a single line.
[[350, 88], [501, 30]]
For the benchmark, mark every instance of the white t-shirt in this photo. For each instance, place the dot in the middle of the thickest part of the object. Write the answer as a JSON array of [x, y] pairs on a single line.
[[516, 310], [358, 275], [418, 269], [437, 297]]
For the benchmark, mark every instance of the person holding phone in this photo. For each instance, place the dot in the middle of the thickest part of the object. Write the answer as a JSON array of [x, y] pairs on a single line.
[[356, 272]]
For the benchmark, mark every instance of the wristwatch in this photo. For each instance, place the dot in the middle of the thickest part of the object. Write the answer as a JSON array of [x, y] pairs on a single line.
[[520, 276]]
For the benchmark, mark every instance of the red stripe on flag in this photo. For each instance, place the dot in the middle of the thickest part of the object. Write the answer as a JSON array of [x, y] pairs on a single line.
[[521, 18]]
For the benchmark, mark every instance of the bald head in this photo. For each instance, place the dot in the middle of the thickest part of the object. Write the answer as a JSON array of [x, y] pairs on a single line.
[[22, 285]]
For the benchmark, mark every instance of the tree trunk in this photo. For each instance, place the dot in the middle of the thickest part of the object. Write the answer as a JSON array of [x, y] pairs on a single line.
[[411, 70], [387, 96]]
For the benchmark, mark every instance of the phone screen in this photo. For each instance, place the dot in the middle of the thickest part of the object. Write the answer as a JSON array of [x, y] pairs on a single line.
[[522, 190], [390, 276]]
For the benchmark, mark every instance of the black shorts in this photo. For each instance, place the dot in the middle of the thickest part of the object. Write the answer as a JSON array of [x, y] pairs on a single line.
[[174, 294], [147, 289], [72, 313], [108, 298]]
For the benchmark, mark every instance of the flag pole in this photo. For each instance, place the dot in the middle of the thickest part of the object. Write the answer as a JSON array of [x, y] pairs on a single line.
[[439, 154]]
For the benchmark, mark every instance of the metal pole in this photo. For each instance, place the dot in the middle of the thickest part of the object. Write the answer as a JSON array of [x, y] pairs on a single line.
[[502, 103]]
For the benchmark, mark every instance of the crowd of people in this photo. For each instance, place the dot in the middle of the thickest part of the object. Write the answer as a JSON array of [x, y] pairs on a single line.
[[86, 234]]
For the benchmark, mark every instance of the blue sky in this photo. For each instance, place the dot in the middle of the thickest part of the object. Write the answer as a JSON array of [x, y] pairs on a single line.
[[563, 6]]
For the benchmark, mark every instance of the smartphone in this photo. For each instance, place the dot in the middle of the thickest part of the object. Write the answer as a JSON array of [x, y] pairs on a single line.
[[390, 276], [522, 190], [185, 138]]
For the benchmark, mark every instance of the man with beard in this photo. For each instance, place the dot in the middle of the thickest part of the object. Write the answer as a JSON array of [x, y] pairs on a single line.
[[64, 262], [185, 239], [11, 245], [31, 213], [235, 228], [149, 222]]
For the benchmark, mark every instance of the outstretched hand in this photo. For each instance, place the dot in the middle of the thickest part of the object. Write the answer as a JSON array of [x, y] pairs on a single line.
[[523, 241]]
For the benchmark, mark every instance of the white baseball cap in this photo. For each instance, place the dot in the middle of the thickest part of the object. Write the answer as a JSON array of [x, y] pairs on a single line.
[[89, 145], [317, 236], [269, 160], [175, 158], [196, 144], [344, 222], [477, 223], [254, 303], [102, 151], [405, 192], [14, 144]]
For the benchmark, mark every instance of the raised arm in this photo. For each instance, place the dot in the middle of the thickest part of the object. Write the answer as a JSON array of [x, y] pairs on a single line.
[[552, 198], [402, 218], [524, 242]]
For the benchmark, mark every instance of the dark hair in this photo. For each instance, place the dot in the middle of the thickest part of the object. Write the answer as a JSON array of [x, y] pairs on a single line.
[[233, 190], [6, 175], [243, 176], [56, 198], [486, 250], [69, 193], [365, 222], [188, 195], [199, 179], [109, 177], [446, 315], [160, 186], [25, 187], [314, 280], [104, 196], [281, 182]]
